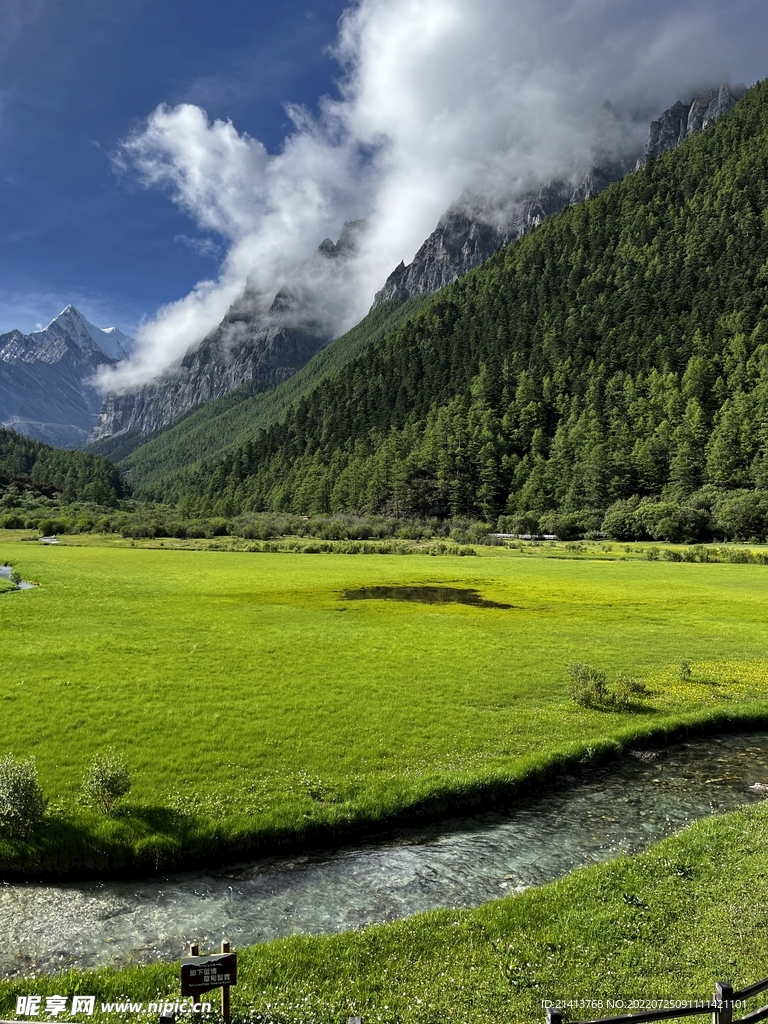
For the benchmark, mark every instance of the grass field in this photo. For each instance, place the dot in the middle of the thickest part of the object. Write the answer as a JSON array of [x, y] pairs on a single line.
[[665, 925], [255, 705]]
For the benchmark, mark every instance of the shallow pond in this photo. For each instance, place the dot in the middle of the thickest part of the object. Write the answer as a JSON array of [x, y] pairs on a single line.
[[423, 595], [462, 863]]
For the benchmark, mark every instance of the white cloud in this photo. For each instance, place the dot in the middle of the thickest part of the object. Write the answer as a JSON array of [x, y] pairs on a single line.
[[433, 95]]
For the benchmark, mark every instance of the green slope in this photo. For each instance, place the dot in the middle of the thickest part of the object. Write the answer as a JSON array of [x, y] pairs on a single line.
[[619, 352], [157, 464], [32, 465]]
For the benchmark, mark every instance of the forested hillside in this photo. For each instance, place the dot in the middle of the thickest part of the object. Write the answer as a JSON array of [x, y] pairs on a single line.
[[32, 465], [158, 465], [618, 353]]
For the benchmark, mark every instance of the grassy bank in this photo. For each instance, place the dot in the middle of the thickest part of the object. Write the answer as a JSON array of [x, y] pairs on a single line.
[[256, 706], [663, 925]]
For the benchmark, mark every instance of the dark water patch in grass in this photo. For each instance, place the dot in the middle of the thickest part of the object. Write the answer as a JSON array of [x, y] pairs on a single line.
[[424, 595]]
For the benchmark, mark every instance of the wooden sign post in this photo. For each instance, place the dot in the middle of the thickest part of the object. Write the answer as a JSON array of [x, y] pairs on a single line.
[[201, 974], [225, 988]]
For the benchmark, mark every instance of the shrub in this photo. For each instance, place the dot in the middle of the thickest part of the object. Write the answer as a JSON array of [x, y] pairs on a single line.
[[588, 686], [590, 689], [672, 521], [742, 514], [52, 527], [561, 525], [22, 804], [524, 523], [626, 691], [621, 522], [685, 670], [106, 781]]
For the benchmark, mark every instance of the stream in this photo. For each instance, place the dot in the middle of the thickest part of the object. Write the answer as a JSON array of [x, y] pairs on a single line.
[[608, 811], [5, 574]]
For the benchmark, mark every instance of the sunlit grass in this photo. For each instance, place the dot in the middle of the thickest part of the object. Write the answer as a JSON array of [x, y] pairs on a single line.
[[254, 705]]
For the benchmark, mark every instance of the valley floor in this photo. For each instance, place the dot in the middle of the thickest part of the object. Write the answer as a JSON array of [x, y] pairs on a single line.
[[258, 707]]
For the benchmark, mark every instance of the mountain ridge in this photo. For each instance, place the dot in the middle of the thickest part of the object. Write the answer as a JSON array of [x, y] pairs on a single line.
[[462, 241], [46, 377], [615, 360], [263, 350]]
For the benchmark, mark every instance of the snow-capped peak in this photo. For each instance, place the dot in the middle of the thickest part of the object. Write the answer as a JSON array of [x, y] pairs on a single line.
[[72, 324]]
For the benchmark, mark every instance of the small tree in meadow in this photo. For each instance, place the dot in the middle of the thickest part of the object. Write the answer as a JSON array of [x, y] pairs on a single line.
[[22, 804], [106, 781]]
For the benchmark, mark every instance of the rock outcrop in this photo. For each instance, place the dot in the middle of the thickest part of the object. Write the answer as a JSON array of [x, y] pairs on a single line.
[[683, 120], [249, 345], [468, 234]]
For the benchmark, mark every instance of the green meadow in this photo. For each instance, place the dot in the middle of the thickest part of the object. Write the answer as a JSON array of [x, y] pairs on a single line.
[[258, 707]]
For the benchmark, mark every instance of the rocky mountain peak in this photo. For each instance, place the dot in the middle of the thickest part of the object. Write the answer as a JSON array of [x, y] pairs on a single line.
[[71, 326], [470, 231], [46, 377], [683, 120]]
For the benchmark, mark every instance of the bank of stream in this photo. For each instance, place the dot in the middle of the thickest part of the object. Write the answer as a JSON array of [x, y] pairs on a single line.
[[608, 811], [5, 574]]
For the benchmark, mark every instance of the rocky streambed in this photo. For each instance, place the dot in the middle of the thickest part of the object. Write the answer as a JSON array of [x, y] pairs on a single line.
[[619, 808]]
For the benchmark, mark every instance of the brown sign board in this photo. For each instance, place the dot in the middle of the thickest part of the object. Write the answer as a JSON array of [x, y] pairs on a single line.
[[202, 973]]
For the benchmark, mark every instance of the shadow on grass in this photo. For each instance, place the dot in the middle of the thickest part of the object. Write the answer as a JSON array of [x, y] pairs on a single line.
[[155, 820], [86, 844]]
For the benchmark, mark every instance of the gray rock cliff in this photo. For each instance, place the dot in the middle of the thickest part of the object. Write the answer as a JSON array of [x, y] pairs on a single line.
[[249, 345], [467, 234], [685, 119]]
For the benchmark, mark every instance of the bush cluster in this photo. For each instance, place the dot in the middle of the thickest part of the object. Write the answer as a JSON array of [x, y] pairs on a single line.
[[590, 689], [106, 781], [23, 804], [707, 514]]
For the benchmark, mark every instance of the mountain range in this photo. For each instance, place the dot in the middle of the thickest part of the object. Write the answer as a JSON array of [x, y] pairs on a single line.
[[265, 348], [46, 388], [606, 371]]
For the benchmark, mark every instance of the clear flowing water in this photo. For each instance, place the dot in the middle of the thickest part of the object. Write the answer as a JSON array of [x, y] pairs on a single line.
[[461, 863], [5, 574]]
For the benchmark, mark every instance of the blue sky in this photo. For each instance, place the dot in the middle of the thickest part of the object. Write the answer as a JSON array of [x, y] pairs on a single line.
[[435, 94], [75, 77]]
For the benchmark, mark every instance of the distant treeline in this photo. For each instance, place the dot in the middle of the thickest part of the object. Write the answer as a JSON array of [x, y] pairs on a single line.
[[30, 465], [618, 354], [707, 515]]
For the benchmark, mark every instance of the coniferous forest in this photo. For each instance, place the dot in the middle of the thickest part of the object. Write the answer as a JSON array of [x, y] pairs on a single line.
[[611, 367], [27, 464]]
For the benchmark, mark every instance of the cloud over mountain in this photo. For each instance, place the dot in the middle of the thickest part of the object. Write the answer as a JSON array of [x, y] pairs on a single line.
[[433, 96]]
